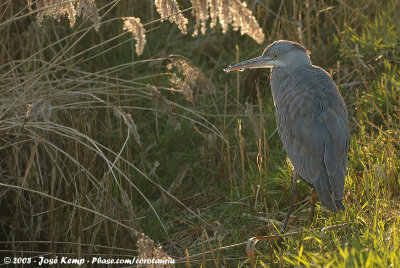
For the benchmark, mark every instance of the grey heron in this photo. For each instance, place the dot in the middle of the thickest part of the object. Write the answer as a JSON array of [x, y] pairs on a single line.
[[311, 118]]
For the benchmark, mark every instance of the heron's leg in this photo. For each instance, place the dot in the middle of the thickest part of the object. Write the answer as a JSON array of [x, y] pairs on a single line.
[[294, 187], [313, 199]]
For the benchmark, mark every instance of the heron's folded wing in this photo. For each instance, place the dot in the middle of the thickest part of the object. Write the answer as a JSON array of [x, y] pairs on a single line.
[[312, 123]]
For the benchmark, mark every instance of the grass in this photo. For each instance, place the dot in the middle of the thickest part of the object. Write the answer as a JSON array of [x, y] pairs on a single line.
[[201, 191]]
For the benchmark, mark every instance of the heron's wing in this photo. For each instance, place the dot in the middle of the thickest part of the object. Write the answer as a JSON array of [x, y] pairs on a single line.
[[312, 124]]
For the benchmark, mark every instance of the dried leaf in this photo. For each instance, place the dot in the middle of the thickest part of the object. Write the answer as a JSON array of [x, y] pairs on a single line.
[[250, 245], [147, 250]]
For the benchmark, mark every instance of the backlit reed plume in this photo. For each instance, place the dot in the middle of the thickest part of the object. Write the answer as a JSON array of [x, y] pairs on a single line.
[[170, 9], [88, 9], [161, 105], [193, 78], [134, 26], [129, 123], [200, 11], [182, 86], [234, 12], [58, 8]]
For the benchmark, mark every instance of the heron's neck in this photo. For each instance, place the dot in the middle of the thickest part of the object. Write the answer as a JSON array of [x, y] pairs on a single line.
[[279, 74]]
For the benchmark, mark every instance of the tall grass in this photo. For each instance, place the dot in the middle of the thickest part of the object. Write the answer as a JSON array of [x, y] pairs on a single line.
[[112, 144]]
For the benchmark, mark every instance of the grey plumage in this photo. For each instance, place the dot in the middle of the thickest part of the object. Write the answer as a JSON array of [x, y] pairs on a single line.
[[312, 124], [311, 118]]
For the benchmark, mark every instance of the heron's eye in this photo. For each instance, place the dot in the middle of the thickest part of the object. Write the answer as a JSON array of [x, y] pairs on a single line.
[[276, 56]]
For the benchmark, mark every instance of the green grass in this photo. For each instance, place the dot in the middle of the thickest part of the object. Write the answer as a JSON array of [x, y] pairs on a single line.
[[195, 188]]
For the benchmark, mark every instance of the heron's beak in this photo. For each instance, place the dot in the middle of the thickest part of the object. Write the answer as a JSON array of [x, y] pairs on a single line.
[[259, 62]]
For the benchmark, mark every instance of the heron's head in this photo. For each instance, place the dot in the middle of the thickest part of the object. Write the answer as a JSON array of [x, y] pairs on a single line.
[[280, 53]]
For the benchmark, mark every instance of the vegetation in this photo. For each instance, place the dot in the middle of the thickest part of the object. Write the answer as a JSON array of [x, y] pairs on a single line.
[[120, 132]]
